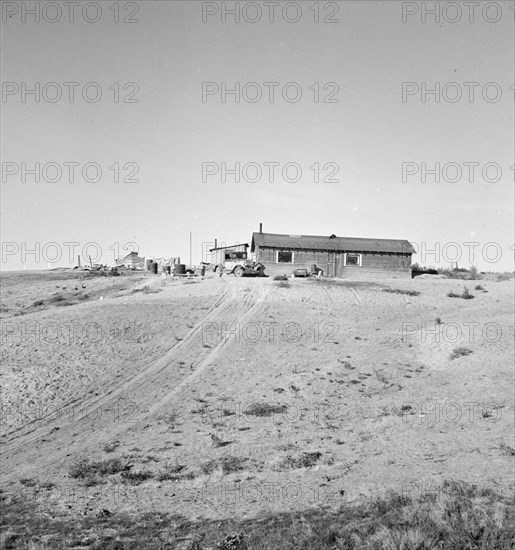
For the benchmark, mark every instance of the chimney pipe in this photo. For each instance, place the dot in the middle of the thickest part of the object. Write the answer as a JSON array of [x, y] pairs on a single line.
[[216, 243], [261, 228]]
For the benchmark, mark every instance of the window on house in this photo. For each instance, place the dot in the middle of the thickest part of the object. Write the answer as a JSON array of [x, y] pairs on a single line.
[[284, 257], [353, 259]]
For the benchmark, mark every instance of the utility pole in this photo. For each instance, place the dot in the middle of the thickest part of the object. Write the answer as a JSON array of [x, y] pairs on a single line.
[[190, 248]]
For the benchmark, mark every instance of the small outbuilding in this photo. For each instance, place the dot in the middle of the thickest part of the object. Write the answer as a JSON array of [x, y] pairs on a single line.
[[222, 254], [131, 261], [348, 257]]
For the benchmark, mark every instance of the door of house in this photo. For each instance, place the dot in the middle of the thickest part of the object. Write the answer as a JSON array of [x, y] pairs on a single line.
[[332, 264]]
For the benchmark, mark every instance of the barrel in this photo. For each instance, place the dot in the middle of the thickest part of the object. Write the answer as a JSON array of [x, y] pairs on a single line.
[[149, 265], [179, 269], [154, 268], [168, 269]]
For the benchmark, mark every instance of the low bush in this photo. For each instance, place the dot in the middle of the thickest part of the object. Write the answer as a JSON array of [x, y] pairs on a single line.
[[459, 352]]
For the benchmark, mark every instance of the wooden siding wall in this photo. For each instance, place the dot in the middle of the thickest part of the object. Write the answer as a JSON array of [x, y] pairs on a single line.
[[373, 265]]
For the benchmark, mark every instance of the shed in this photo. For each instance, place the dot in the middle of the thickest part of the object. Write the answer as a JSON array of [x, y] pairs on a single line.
[[336, 256], [227, 253], [131, 260]]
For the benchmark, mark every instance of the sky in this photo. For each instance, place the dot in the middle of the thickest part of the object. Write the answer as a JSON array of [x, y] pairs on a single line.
[[353, 131]]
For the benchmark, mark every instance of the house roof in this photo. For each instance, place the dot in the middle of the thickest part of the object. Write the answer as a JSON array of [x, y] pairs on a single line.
[[130, 256], [246, 245], [321, 242]]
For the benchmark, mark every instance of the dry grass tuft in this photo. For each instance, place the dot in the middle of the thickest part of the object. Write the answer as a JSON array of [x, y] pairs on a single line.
[[459, 352]]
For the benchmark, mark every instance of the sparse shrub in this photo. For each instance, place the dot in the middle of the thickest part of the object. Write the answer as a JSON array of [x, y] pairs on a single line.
[[56, 298], [382, 378], [400, 291], [171, 419], [232, 464], [466, 295], [458, 273], [506, 449], [92, 472], [171, 472], [231, 542], [459, 352], [208, 467], [438, 321], [473, 273], [280, 278], [217, 441], [38, 303], [136, 478], [305, 460], [480, 288], [265, 409], [110, 447], [228, 465], [28, 482], [146, 290]]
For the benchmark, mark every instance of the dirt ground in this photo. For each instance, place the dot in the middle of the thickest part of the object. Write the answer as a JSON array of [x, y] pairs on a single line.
[[236, 397]]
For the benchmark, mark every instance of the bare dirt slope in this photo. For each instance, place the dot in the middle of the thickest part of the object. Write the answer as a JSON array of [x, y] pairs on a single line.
[[239, 396]]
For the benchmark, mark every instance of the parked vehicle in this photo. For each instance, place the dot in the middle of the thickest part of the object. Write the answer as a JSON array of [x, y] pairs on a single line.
[[239, 265], [234, 260]]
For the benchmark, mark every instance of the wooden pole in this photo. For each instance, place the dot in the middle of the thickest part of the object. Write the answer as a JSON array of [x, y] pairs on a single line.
[[190, 249]]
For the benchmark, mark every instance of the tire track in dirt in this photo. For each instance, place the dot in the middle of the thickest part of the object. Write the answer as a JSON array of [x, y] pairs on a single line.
[[249, 307], [150, 391]]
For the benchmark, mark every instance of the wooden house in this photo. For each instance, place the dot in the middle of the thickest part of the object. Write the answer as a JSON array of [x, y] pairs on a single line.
[[346, 257]]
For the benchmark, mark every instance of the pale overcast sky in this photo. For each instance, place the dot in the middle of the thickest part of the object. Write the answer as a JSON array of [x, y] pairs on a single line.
[[168, 131]]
